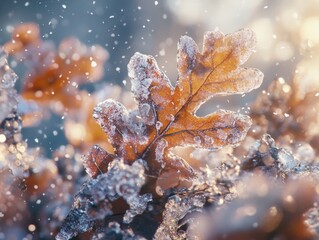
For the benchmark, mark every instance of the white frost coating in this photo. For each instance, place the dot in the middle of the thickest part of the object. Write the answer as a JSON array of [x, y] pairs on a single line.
[[305, 152], [145, 109], [8, 76], [112, 116], [242, 43], [187, 50], [159, 151], [246, 80], [139, 68], [8, 102], [175, 210], [170, 117], [115, 228], [136, 128], [258, 78], [146, 114], [188, 44], [113, 111], [244, 39], [286, 160], [8, 95], [221, 134], [112, 130], [14, 154], [208, 140], [121, 180], [158, 125], [210, 38], [130, 191], [137, 205], [229, 119], [141, 88], [198, 140]]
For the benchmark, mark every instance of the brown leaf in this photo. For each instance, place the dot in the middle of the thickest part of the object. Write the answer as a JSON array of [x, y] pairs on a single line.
[[166, 115], [97, 160], [54, 74], [285, 112]]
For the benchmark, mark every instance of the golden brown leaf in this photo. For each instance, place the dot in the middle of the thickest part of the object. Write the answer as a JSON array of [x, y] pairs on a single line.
[[166, 115]]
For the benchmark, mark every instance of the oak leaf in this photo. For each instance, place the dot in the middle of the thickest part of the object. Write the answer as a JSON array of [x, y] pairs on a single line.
[[81, 130], [166, 115]]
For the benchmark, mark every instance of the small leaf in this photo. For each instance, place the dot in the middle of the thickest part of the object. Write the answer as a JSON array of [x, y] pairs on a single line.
[[96, 161]]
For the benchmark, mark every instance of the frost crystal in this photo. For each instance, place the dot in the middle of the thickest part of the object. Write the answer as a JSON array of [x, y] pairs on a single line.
[[137, 205], [313, 219], [8, 95], [114, 231], [143, 71], [13, 151], [145, 113], [117, 115], [176, 209], [94, 201], [286, 160], [188, 50], [159, 151]]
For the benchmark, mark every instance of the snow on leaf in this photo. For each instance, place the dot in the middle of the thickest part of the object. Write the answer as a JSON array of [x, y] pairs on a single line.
[[166, 114], [215, 70]]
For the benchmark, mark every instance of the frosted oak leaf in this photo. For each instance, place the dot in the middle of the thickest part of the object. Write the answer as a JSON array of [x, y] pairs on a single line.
[[166, 115]]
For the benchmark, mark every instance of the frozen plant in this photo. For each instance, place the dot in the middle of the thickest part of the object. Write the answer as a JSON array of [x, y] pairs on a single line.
[[133, 183]]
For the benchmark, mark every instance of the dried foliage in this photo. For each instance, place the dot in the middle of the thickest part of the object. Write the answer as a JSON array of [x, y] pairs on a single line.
[[55, 74], [166, 118], [166, 115]]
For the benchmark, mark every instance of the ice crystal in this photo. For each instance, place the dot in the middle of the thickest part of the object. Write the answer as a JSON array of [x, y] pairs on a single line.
[[94, 201], [312, 219], [176, 208], [266, 155], [8, 95], [114, 231], [14, 154]]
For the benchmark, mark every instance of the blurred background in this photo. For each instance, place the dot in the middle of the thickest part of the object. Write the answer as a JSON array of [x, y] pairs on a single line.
[[287, 33]]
